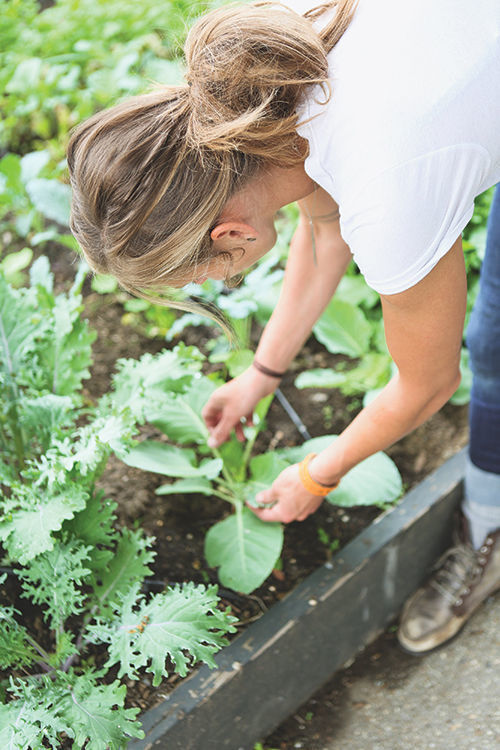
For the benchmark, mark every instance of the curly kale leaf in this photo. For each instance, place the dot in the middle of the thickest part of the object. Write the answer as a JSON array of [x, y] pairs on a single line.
[[127, 568], [182, 623], [54, 580], [28, 522], [15, 649], [139, 383], [77, 707]]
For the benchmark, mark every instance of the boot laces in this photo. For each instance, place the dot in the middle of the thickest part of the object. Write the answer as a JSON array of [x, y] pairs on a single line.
[[457, 569]]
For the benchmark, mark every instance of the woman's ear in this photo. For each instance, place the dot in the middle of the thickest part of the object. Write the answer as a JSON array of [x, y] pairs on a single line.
[[233, 230]]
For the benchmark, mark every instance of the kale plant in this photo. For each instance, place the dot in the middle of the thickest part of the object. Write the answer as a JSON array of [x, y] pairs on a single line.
[[63, 551]]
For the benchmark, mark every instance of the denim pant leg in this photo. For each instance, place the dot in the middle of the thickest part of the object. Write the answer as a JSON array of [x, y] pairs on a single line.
[[483, 341]]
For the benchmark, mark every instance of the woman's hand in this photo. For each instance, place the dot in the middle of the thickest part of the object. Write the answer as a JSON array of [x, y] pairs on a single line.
[[233, 403], [292, 502]]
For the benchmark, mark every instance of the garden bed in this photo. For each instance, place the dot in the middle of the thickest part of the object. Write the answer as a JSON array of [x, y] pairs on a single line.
[[179, 523], [282, 659]]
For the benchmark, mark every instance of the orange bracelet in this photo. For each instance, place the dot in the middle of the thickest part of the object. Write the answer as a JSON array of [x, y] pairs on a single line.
[[315, 488]]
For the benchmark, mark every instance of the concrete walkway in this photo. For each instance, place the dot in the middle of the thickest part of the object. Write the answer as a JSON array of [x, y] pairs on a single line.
[[388, 700]]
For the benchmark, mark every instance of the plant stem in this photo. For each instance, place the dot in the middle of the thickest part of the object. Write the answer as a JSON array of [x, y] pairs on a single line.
[[17, 434], [224, 495], [229, 479], [41, 651]]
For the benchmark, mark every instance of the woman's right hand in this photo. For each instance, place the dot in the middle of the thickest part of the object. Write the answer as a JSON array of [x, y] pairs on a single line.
[[233, 402]]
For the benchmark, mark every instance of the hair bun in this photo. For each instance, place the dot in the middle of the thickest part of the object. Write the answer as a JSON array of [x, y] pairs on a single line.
[[247, 67]]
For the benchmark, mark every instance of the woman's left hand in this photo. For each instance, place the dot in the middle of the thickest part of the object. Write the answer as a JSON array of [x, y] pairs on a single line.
[[288, 499]]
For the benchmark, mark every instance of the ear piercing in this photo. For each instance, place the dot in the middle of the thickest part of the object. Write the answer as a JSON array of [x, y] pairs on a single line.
[[251, 239]]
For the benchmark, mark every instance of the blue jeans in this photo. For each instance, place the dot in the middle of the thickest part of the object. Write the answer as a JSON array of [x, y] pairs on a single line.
[[483, 341]]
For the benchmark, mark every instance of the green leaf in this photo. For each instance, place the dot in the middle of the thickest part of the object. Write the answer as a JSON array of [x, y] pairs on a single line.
[[343, 329], [13, 263], [94, 525], [54, 581], [197, 485], [10, 169], [238, 361], [26, 76], [355, 291], [94, 715], [180, 417], [18, 327], [374, 481], [244, 548], [104, 283], [320, 378], [52, 198], [148, 383], [170, 460], [21, 725], [182, 623], [41, 275], [27, 533], [15, 649], [232, 453], [129, 565], [265, 468], [373, 371], [44, 416], [32, 164], [69, 354]]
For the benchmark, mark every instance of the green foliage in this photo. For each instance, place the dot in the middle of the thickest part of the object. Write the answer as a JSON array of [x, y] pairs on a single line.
[[60, 65], [57, 67], [54, 580], [15, 649], [372, 372], [182, 623], [343, 329], [75, 706], [243, 548], [374, 481], [60, 538]]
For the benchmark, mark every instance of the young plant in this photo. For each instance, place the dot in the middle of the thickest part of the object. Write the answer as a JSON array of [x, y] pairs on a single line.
[[244, 548], [64, 553]]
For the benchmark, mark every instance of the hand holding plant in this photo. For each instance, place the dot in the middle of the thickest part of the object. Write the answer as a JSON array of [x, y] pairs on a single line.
[[291, 501], [233, 403]]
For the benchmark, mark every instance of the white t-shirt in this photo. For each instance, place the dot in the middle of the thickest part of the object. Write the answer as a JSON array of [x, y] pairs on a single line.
[[411, 134]]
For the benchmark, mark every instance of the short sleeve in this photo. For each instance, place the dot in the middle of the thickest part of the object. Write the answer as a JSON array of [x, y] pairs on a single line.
[[404, 220]]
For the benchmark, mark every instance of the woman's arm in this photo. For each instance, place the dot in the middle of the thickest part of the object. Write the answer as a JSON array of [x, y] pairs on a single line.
[[307, 289], [424, 328], [308, 286]]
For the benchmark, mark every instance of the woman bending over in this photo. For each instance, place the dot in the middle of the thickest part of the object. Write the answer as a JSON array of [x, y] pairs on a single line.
[[383, 121]]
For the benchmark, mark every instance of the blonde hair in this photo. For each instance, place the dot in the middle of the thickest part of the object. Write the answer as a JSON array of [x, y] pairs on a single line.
[[150, 176]]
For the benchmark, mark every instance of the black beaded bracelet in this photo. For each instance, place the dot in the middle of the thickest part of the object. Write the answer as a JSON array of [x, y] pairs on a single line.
[[266, 370]]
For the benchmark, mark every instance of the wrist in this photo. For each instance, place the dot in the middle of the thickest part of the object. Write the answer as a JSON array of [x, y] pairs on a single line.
[[265, 370], [260, 383], [311, 484], [322, 472]]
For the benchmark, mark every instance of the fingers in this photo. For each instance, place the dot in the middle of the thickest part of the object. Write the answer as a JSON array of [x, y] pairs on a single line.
[[269, 514], [221, 432], [220, 422], [286, 500]]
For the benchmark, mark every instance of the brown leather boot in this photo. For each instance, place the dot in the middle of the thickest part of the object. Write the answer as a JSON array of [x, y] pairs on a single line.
[[463, 579]]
